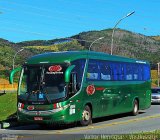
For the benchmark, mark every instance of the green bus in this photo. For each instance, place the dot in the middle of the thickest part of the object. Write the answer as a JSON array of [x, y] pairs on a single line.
[[77, 86]]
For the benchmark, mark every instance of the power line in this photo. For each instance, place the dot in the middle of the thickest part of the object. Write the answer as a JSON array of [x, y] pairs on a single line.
[[43, 9], [28, 32], [63, 19], [51, 17], [37, 14], [133, 25], [68, 20], [77, 15]]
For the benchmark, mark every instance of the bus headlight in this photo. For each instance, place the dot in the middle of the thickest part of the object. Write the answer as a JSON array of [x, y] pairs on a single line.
[[20, 106]]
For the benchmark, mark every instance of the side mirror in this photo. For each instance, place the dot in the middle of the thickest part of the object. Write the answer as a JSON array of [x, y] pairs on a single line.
[[68, 73], [12, 73]]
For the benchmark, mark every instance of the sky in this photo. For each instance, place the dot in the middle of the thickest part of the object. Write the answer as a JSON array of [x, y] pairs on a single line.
[[23, 20]]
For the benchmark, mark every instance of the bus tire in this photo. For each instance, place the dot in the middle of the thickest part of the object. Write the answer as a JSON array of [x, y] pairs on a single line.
[[86, 116], [135, 108]]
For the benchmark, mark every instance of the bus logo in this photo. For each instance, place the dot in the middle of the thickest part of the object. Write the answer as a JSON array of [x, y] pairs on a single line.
[[55, 68], [90, 89], [30, 107]]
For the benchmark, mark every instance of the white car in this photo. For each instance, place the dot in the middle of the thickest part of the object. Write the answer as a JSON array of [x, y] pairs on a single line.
[[155, 95]]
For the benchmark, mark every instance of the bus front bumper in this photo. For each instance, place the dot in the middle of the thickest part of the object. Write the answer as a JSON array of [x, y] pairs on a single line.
[[48, 116]]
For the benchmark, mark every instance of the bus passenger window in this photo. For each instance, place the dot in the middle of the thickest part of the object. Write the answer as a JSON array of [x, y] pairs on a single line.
[[135, 72], [135, 76], [105, 77], [79, 69], [116, 71], [122, 76], [146, 72], [93, 76], [129, 75], [93, 72], [105, 71], [140, 71]]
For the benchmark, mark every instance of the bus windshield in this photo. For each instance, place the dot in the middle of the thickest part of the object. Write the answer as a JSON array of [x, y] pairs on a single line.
[[41, 83]]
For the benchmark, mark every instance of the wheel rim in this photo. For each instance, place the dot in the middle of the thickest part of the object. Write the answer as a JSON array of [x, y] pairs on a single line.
[[86, 115]]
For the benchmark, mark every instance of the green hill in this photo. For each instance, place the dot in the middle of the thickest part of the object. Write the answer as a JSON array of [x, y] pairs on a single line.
[[126, 43], [156, 37]]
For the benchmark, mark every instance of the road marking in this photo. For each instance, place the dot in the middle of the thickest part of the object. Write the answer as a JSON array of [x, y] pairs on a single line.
[[93, 127]]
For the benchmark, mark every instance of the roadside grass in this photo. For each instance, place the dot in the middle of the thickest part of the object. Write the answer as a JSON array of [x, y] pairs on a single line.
[[8, 105]]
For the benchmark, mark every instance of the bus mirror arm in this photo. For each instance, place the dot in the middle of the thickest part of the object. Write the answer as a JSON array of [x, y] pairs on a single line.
[[68, 73], [12, 73]]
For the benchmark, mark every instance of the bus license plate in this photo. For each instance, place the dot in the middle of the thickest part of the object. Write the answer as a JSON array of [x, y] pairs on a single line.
[[38, 118]]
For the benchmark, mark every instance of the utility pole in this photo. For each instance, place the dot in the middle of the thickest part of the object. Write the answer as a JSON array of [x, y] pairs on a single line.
[[158, 73]]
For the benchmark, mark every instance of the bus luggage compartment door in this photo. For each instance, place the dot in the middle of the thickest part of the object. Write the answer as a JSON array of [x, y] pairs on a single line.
[[110, 101]]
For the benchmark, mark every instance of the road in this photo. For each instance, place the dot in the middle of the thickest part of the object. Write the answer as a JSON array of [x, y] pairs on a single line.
[[147, 120]]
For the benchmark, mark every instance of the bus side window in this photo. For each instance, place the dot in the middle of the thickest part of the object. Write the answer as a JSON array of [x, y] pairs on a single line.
[[129, 74], [135, 72], [140, 71], [122, 76], [146, 73], [93, 71], [105, 71], [115, 68], [118, 71], [79, 69]]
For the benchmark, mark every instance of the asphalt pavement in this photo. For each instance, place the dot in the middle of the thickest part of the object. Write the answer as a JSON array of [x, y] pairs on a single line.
[[146, 120]]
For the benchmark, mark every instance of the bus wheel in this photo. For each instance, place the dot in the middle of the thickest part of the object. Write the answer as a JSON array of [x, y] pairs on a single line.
[[135, 108], [86, 116]]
